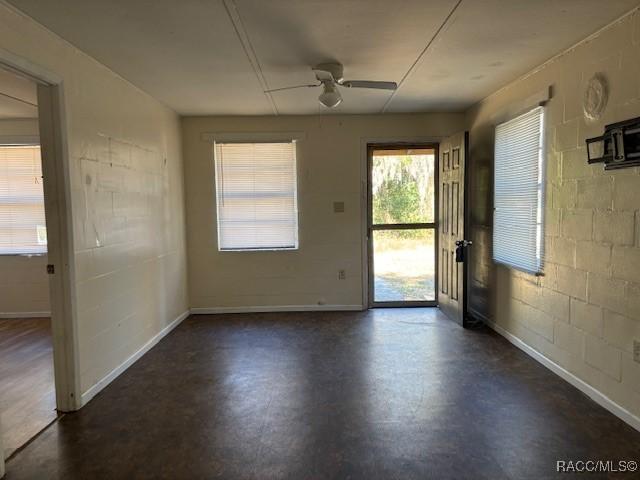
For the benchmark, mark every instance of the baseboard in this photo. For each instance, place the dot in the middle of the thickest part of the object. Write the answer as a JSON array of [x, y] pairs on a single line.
[[279, 308], [95, 389], [597, 396], [6, 315]]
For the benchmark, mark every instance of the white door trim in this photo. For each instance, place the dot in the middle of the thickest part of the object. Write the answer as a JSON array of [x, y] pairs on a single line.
[[55, 160]]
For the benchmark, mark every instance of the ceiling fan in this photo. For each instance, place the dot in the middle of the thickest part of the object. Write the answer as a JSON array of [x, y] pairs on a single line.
[[330, 77]]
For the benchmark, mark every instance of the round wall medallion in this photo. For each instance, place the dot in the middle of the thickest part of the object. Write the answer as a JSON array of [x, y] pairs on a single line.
[[595, 97]]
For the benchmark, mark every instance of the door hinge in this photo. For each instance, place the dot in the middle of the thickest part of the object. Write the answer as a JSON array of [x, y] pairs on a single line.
[[51, 269]]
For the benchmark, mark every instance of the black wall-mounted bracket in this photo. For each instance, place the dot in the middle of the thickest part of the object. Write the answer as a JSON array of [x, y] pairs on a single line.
[[618, 147]]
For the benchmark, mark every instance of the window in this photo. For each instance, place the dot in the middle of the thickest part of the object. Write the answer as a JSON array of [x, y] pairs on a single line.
[[256, 196], [519, 192], [22, 221]]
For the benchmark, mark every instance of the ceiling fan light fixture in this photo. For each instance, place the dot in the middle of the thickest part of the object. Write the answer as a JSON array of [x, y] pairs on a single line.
[[329, 76], [330, 96]]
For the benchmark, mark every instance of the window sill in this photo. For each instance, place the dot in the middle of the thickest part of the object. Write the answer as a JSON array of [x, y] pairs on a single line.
[[539, 273], [283, 249]]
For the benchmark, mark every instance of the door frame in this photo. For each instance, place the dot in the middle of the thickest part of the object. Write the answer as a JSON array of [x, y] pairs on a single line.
[[53, 135], [368, 284]]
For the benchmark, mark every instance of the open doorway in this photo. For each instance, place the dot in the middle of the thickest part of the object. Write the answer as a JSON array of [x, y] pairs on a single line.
[[27, 386], [402, 225]]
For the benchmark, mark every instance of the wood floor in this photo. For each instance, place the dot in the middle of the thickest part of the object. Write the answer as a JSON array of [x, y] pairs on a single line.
[[385, 394], [27, 392]]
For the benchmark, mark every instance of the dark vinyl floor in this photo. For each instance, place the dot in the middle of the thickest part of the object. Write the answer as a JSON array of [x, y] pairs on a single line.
[[27, 390], [386, 394]]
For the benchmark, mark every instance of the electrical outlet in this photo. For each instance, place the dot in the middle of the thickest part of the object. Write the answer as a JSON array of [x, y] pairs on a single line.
[[636, 351], [338, 207], [342, 275]]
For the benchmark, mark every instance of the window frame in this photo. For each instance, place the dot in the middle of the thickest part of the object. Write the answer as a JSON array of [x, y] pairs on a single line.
[[28, 141], [257, 139], [541, 194]]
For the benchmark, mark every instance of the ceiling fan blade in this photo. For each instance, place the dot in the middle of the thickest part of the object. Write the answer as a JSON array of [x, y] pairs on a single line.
[[370, 84], [291, 88]]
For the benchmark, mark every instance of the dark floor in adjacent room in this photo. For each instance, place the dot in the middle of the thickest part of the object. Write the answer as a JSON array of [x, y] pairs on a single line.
[[384, 394], [27, 390]]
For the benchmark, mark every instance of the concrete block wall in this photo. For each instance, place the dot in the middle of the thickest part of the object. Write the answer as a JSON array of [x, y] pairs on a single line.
[[127, 202], [330, 168], [584, 313]]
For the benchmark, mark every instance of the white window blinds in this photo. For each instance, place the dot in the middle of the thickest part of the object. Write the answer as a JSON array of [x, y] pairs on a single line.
[[22, 221], [519, 192], [256, 196]]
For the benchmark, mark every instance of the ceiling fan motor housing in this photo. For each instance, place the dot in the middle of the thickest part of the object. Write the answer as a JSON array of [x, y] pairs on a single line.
[[335, 71]]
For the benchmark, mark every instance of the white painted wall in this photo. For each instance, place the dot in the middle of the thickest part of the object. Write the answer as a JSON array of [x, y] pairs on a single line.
[[18, 127], [127, 201], [24, 284], [585, 312], [329, 169]]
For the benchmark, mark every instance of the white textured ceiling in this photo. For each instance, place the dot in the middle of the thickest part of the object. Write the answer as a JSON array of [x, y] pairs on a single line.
[[18, 97], [217, 56]]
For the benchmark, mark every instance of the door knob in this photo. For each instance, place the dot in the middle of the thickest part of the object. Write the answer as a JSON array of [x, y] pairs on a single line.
[[463, 243], [460, 246]]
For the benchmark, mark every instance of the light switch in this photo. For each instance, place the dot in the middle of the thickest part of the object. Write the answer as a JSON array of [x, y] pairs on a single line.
[[338, 207]]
